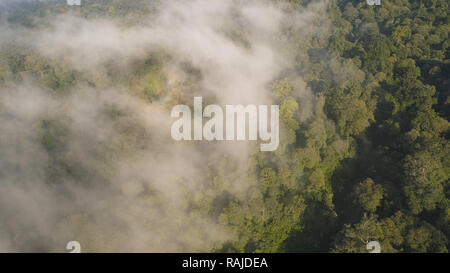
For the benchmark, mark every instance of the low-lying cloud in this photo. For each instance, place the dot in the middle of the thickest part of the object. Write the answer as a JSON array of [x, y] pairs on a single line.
[[98, 165]]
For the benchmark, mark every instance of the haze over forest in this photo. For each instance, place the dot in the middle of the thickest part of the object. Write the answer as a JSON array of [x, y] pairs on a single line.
[[85, 147]]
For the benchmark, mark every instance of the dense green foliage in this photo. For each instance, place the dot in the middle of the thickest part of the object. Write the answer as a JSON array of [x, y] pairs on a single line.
[[370, 162]]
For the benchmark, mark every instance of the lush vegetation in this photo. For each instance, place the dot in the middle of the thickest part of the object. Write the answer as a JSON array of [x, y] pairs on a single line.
[[370, 162]]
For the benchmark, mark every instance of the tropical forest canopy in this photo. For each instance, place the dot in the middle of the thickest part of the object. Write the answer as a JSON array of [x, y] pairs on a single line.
[[364, 154]]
